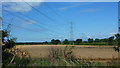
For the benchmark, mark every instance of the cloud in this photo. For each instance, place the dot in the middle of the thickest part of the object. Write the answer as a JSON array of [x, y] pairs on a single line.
[[68, 7], [22, 0], [112, 34], [63, 0], [28, 22], [73, 5], [19, 6], [88, 36], [90, 10]]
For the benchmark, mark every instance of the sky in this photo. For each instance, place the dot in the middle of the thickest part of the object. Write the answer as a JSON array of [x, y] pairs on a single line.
[[61, 0], [38, 22]]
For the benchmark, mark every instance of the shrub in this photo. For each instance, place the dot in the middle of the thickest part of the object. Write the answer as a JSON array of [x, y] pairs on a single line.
[[21, 61], [10, 43], [6, 58], [61, 57]]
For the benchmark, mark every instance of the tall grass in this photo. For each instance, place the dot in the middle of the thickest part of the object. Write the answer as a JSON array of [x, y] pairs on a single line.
[[59, 57]]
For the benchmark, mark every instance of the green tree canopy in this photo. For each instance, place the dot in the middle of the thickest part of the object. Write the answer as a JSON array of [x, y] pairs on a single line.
[[117, 36], [53, 41], [90, 40], [57, 42], [8, 42], [97, 40], [65, 41], [78, 41], [110, 40], [118, 39]]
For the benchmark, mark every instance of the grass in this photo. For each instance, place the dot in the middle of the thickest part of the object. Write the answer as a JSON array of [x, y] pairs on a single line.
[[40, 62], [61, 62], [59, 57]]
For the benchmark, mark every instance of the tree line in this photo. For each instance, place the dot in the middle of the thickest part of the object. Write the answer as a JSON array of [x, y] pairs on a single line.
[[90, 41], [106, 41]]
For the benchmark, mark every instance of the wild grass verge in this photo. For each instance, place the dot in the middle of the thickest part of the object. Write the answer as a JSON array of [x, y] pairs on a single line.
[[57, 57]]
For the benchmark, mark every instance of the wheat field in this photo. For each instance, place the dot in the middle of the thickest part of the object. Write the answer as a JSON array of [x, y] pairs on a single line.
[[79, 51]]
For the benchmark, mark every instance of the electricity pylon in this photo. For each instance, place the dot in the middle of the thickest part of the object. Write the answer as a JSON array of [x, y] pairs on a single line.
[[71, 33], [119, 17]]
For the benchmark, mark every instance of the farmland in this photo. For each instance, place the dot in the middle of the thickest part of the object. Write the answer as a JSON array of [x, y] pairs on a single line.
[[80, 51]]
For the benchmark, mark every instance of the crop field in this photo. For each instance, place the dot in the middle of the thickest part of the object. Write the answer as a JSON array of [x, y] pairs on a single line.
[[79, 51]]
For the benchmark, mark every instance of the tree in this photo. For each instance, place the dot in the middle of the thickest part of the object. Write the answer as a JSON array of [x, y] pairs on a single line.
[[118, 39], [97, 40], [104, 40], [65, 41], [110, 40], [118, 42], [72, 42], [57, 42], [78, 41], [90, 40], [118, 45], [46, 42], [53, 41], [8, 42], [4, 35]]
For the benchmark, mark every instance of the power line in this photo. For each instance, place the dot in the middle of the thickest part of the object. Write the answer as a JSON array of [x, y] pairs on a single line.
[[41, 13], [40, 25], [31, 30], [34, 20], [14, 14], [28, 29], [27, 20], [21, 17], [22, 27], [54, 11]]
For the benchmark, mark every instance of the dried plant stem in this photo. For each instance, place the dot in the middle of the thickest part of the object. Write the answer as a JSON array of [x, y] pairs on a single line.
[[12, 59]]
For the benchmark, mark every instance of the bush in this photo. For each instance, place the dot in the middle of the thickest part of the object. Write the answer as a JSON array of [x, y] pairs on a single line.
[[62, 57], [17, 61], [10, 43], [6, 58], [21, 61]]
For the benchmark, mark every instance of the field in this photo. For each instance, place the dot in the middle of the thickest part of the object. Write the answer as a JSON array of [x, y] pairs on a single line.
[[80, 51]]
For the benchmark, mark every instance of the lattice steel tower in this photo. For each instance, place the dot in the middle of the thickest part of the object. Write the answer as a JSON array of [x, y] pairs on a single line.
[[119, 17], [71, 33]]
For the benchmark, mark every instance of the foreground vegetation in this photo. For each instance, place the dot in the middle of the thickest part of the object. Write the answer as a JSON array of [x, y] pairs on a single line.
[[56, 57]]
